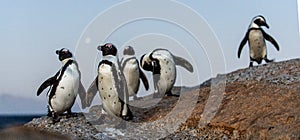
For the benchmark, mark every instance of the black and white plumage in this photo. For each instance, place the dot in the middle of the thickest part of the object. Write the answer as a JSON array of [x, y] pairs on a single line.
[[256, 37], [64, 86], [162, 63], [111, 84], [132, 72]]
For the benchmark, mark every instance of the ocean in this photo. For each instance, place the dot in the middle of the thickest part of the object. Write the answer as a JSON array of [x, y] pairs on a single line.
[[14, 120]]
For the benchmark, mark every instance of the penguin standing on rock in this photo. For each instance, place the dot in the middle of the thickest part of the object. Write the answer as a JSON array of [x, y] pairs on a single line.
[[64, 86], [162, 64], [132, 72], [111, 84], [256, 37]]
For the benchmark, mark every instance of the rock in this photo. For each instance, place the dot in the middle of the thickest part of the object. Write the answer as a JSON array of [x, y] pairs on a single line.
[[25, 133], [261, 102]]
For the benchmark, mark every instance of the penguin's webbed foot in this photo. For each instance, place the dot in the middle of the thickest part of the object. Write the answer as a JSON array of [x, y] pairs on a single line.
[[70, 114], [251, 64], [268, 60], [49, 114], [55, 118], [128, 116], [171, 94], [135, 97]]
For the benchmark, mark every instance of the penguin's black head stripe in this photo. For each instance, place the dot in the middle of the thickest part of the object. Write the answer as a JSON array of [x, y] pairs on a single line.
[[63, 54], [108, 49], [260, 21], [105, 62], [262, 17], [259, 17], [128, 51]]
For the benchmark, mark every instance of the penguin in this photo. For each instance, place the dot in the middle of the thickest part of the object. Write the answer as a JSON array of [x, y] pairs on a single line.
[[132, 72], [64, 86], [256, 37], [111, 84], [162, 63]]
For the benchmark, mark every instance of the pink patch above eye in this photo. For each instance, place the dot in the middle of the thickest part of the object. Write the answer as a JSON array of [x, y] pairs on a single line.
[[64, 50], [109, 45]]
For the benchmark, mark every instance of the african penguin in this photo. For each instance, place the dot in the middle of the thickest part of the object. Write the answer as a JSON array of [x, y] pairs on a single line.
[[161, 63], [64, 86], [256, 40], [111, 84], [132, 72]]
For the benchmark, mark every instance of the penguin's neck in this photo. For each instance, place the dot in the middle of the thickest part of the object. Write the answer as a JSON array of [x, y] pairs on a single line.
[[65, 60], [126, 56], [112, 58]]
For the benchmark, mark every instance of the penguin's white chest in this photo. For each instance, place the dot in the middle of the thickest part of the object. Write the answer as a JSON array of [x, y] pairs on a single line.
[[167, 75], [167, 71], [107, 82], [66, 90], [257, 45], [131, 73]]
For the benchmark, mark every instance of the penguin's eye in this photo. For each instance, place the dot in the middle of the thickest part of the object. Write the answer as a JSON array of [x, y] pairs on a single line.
[[257, 21]]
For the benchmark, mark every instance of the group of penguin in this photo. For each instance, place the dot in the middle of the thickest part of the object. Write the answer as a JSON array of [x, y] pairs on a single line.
[[117, 80]]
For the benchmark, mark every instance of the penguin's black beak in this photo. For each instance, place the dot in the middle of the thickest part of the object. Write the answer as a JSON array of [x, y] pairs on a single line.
[[266, 25], [99, 47], [57, 52]]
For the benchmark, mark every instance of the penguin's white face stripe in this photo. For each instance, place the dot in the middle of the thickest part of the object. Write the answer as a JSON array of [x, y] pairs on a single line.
[[146, 59], [260, 18], [253, 24]]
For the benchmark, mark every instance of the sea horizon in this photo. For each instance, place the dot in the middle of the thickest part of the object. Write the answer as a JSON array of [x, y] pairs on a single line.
[[10, 120]]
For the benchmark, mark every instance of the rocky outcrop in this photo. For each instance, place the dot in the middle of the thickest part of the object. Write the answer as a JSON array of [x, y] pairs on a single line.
[[261, 102]]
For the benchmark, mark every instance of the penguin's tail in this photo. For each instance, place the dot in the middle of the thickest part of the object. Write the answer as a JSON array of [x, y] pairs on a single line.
[[183, 63]]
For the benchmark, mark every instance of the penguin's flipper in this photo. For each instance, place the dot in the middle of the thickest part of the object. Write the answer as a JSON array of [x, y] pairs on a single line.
[[183, 63], [244, 41], [91, 92], [271, 39], [123, 86], [47, 83], [123, 93], [144, 79], [82, 95]]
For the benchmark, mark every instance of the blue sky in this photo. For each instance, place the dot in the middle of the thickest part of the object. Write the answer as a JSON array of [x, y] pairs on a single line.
[[32, 30]]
